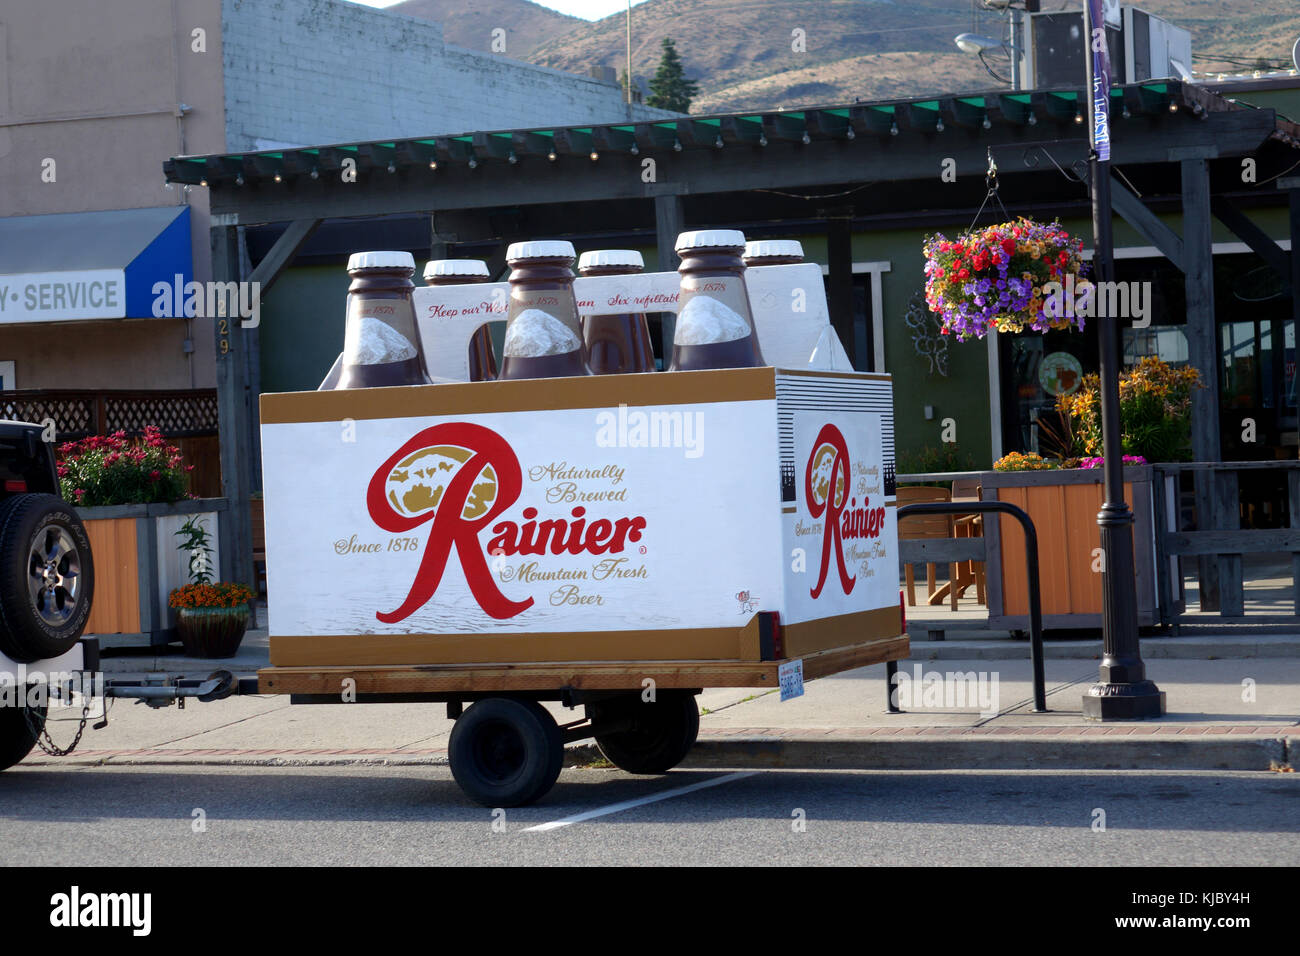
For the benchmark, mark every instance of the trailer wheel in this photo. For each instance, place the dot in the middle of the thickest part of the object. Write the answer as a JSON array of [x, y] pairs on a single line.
[[19, 727], [506, 752], [47, 577], [662, 733]]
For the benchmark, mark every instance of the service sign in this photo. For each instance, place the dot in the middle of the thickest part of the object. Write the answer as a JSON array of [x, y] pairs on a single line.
[[647, 518], [53, 296], [841, 533]]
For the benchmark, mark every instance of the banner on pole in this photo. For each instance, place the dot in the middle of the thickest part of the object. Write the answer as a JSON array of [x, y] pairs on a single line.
[[1100, 91]]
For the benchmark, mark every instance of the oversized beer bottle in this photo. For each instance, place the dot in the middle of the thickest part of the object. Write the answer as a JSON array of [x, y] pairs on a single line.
[[616, 343], [773, 252], [715, 328], [482, 360], [381, 346], [543, 334]]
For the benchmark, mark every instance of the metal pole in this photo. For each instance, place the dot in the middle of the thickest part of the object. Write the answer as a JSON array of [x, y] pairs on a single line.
[[629, 52], [1123, 692], [1015, 48], [1035, 612], [1031, 576]]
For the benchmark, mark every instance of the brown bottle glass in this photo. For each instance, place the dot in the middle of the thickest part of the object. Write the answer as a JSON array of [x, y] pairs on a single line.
[[616, 344], [381, 346], [482, 360], [543, 334], [715, 328]]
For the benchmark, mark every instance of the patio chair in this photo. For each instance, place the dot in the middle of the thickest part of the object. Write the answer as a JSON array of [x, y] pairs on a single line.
[[926, 526], [969, 526]]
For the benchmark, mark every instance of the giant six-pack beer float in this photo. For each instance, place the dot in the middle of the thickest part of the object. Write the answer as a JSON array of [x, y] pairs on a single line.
[[440, 527]]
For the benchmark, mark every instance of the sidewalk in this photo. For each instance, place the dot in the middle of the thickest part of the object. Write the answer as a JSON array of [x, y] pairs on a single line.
[[841, 722]]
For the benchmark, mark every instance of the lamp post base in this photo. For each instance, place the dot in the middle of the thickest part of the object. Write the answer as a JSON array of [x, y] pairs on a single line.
[[1139, 701]]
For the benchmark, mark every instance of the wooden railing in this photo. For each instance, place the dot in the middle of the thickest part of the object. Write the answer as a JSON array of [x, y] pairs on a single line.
[[1219, 540], [1216, 545]]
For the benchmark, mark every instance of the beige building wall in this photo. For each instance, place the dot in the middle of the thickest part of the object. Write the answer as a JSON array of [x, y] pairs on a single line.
[[98, 89]]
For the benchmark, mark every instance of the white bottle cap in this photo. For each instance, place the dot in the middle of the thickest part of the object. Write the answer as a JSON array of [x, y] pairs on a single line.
[[764, 248], [381, 260], [611, 257], [540, 249], [456, 267], [720, 238]]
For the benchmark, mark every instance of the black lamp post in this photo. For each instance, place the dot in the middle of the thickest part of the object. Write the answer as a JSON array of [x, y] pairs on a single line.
[[1123, 692]]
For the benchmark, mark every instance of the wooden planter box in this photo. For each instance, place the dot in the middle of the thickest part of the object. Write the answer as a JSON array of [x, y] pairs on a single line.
[[1064, 507], [137, 566]]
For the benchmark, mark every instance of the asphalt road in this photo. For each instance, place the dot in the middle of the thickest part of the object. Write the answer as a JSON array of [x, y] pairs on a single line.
[[366, 815]]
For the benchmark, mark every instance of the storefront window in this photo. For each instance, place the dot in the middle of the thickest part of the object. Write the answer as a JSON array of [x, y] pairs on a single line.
[[1167, 343], [1288, 364], [1239, 368], [1036, 369]]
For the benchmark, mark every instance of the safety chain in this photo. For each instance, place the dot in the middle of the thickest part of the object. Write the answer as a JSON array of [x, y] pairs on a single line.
[[991, 185], [42, 733]]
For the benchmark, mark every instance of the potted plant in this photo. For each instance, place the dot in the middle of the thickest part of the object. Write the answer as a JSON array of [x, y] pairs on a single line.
[[1155, 411], [131, 494], [996, 278], [1063, 495], [211, 618]]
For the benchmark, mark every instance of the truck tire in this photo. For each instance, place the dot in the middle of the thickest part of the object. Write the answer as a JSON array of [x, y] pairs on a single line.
[[47, 577], [505, 752], [662, 733], [18, 730]]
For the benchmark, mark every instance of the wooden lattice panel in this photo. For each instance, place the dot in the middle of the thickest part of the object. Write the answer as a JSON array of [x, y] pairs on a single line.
[[76, 414]]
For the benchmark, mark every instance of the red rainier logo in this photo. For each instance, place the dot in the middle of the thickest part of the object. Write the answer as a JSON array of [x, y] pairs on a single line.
[[460, 476], [826, 487]]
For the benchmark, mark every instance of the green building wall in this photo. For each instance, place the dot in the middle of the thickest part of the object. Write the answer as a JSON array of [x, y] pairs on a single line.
[[303, 324]]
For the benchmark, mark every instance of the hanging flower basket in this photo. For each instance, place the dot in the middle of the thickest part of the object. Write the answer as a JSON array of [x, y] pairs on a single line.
[[994, 278]]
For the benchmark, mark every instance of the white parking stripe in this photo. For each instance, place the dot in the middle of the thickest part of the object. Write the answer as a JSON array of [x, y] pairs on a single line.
[[639, 802]]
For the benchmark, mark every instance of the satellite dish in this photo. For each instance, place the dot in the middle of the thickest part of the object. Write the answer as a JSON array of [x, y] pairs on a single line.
[[1295, 54]]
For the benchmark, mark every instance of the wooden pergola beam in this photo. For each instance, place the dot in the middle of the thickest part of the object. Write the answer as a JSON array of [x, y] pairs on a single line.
[[1277, 258], [1146, 223], [788, 164]]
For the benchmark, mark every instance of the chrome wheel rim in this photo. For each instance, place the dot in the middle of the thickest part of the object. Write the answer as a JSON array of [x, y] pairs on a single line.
[[54, 576]]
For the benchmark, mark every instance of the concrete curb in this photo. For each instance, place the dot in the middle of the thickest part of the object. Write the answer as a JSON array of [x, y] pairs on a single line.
[[1180, 648], [999, 753], [984, 752]]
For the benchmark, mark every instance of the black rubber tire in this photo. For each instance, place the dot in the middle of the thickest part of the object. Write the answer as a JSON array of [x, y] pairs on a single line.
[[663, 731], [35, 627], [17, 733], [506, 752]]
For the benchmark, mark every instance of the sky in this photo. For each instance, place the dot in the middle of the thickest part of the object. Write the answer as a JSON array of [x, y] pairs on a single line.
[[587, 9]]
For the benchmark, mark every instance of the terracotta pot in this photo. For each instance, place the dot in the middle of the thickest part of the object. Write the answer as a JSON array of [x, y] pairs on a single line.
[[212, 631]]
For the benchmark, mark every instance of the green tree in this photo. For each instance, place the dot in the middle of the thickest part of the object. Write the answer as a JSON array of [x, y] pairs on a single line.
[[670, 89]]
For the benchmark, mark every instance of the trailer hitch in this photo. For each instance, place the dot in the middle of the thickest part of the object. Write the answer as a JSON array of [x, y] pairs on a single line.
[[166, 690]]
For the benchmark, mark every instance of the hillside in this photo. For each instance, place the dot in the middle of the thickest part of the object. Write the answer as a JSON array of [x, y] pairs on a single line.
[[873, 76], [740, 50], [527, 25], [725, 43]]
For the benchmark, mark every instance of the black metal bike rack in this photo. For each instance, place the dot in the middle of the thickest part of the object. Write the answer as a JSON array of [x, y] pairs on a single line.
[[1031, 566]]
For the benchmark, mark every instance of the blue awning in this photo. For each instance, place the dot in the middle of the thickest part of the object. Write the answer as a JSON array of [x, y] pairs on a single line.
[[91, 265]]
